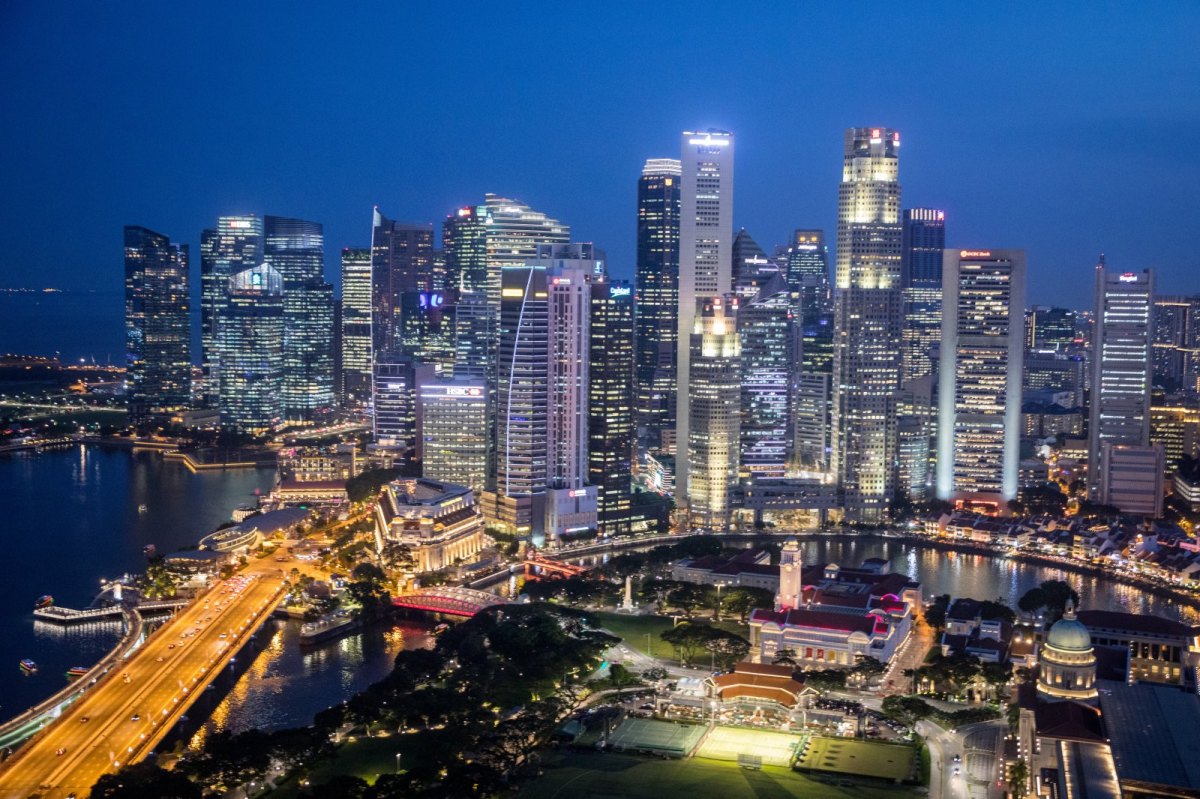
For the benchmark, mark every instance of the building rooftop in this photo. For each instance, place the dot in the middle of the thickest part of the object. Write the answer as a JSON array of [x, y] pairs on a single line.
[[1071, 721], [1133, 623], [818, 619], [1155, 733]]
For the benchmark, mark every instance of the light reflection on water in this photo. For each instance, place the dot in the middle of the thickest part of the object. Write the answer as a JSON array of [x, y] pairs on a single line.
[[982, 576], [286, 684]]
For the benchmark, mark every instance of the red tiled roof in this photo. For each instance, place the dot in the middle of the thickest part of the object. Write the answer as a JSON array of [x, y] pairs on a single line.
[[817, 619]]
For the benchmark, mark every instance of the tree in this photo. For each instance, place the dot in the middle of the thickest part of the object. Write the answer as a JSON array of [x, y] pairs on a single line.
[[688, 639], [619, 677], [654, 674], [369, 589], [868, 667], [906, 709], [935, 614], [1050, 597], [145, 781], [159, 582], [785, 657], [995, 609], [726, 648], [366, 486], [743, 599], [343, 786]]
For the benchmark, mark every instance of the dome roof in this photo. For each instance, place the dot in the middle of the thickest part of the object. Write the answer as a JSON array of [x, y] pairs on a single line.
[[1068, 633]]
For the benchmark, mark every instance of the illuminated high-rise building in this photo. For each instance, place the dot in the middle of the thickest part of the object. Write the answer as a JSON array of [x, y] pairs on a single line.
[[397, 379], [1177, 343], [355, 379], [1119, 402], [808, 278], [453, 432], [1050, 329], [427, 330], [867, 322], [295, 248], [235, 245], [705, 269], [750, 268], [768, 362], [542, 394], [610, 404], [923, 239], [157, 324], [657, 295], [714, 423], [250, 350], [401, 261], [979, 403]]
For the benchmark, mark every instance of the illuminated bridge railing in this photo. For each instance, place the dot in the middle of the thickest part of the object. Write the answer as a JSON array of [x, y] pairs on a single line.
[[451, 601]]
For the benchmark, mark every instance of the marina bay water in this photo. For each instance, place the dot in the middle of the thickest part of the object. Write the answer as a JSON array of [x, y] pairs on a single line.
[[73, 517]]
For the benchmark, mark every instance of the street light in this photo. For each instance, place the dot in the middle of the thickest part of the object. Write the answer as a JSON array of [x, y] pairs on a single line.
[[397, 762]]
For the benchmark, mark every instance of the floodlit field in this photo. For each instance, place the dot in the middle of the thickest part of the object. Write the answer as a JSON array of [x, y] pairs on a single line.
[[656, 736], [596, 775], [860, 758], [726, 743]]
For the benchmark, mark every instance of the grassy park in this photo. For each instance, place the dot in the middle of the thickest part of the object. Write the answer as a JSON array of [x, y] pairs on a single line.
[[593, 775], [633, 629]]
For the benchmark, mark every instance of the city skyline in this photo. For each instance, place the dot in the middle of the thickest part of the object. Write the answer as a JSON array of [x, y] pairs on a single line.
[[1004, 186]]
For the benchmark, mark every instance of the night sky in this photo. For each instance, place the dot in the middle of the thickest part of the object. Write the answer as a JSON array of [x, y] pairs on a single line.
[[1066, 129]]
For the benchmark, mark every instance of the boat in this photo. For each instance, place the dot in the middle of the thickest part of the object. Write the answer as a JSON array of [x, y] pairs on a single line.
[[142, 508], [441, 628], [44, 602], [28, 666], [75, 672], [149, 550]]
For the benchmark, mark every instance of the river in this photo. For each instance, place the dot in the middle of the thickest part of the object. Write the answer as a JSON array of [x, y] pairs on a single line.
[[73, 518]]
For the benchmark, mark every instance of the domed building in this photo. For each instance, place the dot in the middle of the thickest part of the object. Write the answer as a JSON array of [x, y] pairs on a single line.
[[1067, 660]]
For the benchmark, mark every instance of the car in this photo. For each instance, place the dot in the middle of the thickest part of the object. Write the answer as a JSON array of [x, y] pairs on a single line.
[[60, 751], [136, 717], [958, 758], [159, 658], [85, 719], [170, 646], [224, 635]]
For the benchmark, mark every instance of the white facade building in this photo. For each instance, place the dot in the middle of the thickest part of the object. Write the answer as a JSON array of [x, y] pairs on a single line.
[[979, 404], [705, 259], [714, 411]]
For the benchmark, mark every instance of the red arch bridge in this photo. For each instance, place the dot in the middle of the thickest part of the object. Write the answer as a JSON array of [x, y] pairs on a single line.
[[452, 601]]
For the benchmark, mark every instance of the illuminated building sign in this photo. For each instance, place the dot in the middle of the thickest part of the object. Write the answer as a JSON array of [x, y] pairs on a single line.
[[434, 300], [619, 291], [1128, 277], [240, 224], [709, 141], [578, 492], [975, 254]]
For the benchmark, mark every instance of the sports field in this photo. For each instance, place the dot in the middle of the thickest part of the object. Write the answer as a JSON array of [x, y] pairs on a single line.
[[726, 743], [607, 775], [858, 758], [648, 735]]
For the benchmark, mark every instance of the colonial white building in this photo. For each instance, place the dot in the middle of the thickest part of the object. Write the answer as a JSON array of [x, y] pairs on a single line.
[[440, 522]]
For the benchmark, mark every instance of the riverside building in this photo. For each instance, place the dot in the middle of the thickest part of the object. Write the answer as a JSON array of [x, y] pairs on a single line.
[[250, 351], [440, 523], [979, 407], [157, 324]]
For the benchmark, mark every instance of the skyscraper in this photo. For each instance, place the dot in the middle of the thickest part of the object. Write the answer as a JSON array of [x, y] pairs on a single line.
[[808, 279], [1177, 343], [1119, 404], [397, 379], [250, 350], [401, 260], [714, 423], [705, 266], [542, 421], [157, 324], [923, 239], [610, 404], [768, 360], [1050, 329], [453, 432], [235, 245], [979, 406], [866, 372], [355, 379], [657, 295], [295, 248]]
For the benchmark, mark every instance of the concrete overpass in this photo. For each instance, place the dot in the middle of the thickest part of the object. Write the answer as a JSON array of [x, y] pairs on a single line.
[[130, 709]]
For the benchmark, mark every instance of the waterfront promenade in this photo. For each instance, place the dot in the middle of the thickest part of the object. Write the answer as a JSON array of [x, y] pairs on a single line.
[[121, 720]]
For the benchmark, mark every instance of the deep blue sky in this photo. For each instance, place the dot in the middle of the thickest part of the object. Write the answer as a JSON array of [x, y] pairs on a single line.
[[1066, 129]]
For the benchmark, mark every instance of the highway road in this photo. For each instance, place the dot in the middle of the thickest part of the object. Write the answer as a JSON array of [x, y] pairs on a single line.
[[120, 720]]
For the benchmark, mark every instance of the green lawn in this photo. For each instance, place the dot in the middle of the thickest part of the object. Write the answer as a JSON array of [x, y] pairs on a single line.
[[592, 775], [365, 757], [865, 758], [633, 630]]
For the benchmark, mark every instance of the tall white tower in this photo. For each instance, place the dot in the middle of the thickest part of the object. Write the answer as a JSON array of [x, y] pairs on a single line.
[[1119, 405], [705, 260], [979, 390]]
